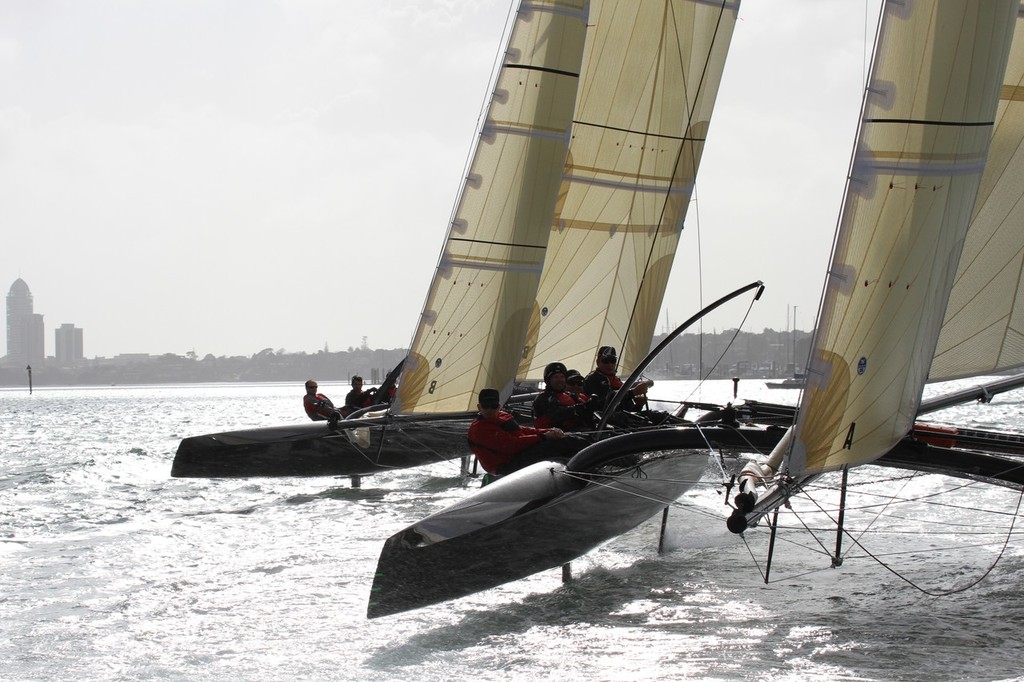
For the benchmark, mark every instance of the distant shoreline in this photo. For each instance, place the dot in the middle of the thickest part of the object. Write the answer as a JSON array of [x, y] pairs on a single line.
[[768, 355]]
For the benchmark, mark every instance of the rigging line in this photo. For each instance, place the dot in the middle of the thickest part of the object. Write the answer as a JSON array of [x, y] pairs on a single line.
[[624, 476], [789, 576], [959, 549], [796, 514], [963, 588], [696, 208], [625, 488], [728, 346], [753, 558], [912, 532], [882, 510], [940, 505], [956, 590], [921, 499]]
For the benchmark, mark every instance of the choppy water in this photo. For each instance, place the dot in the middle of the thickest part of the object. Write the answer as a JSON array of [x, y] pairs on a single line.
[[110, 569]]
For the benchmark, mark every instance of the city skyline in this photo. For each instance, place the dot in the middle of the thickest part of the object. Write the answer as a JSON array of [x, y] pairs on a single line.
[[26, 329], [26, 332]]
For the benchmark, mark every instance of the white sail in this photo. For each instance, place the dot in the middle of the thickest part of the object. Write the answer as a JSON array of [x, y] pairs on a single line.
[[983, 332], [651, 72], [470, 334], [927, 123]]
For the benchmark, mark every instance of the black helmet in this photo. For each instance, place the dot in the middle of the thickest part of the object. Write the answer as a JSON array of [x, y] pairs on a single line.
[[553, 369], [490, 397]]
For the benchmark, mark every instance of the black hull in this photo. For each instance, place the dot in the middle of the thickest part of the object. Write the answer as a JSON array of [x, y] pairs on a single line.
[[352, 448], [533, 520], [358, 447]]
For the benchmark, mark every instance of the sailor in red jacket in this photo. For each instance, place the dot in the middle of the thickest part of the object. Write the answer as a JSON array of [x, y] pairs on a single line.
[[557, 407], [318, 406], [502, 446]]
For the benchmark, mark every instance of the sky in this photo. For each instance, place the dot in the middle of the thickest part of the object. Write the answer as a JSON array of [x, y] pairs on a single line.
[[224, 176]]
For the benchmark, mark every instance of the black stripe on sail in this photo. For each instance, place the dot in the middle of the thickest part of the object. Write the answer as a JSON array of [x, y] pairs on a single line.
[[922, 122], [493, 243], [545, 69], [645, 133]]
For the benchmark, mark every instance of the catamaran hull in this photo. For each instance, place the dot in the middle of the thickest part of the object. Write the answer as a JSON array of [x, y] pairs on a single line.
[[533, 520], [357, 447], [352, 448]]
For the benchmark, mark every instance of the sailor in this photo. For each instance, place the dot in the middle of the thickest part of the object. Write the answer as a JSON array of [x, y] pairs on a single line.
[[318, 406], [556, 407], [602, 383], [574, 386], [502, 446], [357, 398]]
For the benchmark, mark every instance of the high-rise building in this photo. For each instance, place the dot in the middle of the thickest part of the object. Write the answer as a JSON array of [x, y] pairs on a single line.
[[68, 344], [25, 342]]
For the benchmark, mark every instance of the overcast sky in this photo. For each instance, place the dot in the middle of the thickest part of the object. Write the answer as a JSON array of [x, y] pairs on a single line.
[[222, 176]]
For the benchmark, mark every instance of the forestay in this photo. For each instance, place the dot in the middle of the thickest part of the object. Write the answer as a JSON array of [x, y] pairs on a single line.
[[474, 320], [651, 72], [927, 122]]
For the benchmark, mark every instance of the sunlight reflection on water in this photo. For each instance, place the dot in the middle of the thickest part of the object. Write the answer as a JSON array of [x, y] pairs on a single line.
[[113, 570]]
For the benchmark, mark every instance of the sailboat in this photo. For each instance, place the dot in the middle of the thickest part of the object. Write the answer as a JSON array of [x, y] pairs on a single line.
[[649, 77], [561, 240], [923, 283], [470, 333]]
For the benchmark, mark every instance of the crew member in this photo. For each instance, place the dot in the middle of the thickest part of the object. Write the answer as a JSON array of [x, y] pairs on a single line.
[[357, 398], [556, 407], [318, 406], [574, 386], [602, 383], [502, 446]]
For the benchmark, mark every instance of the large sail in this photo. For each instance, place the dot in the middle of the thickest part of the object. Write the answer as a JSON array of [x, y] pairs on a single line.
[[983, 332], [470, 333], [927, 123], [650, 75]]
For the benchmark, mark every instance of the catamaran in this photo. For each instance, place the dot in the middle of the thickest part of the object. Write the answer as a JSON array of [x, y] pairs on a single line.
[[561, 240]]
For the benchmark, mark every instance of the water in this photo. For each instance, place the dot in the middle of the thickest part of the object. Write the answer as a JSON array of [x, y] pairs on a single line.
[[112, 570]]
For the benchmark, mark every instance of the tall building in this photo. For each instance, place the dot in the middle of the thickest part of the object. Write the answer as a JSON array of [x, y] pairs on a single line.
[[68, 344], [25, 342]]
